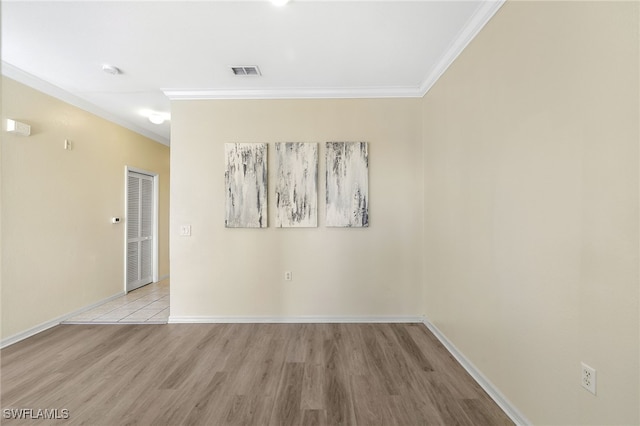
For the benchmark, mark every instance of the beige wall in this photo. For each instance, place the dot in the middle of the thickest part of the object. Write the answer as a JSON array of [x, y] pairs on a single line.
[[219, 272], [60, 250], [531, 207]]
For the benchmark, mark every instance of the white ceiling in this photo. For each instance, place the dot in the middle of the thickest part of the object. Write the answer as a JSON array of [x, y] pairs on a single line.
[[183, 50]]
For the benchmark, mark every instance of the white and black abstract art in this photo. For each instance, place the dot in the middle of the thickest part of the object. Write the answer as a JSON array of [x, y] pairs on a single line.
[[246, 185], [347, 184], [296, 185]]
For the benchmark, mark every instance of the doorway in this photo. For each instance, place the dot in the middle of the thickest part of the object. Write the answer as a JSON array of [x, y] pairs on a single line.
[[141, 262]]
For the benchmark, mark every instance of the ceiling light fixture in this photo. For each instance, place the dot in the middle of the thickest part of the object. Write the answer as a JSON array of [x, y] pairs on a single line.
[[280, 3], [110, 69], [155, 117]]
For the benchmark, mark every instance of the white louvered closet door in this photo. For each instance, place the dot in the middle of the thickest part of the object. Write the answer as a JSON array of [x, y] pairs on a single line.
[[139, 230]]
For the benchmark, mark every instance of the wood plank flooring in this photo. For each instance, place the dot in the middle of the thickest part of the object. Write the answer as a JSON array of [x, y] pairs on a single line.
[[241, 374]]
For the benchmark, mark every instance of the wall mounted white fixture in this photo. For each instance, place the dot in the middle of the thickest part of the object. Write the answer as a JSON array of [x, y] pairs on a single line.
[[18, 128]]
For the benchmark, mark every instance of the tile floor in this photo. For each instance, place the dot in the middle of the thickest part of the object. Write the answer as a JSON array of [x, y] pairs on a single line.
[[148, 304]]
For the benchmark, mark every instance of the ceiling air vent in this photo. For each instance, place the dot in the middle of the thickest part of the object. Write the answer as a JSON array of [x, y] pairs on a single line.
[[245, 70]]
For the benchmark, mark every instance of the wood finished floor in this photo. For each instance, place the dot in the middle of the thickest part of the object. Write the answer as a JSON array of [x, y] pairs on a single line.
[[243, 374]]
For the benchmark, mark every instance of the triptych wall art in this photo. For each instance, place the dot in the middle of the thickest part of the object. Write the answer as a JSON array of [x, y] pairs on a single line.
[[246, 183], [296, 185], [347, 184]]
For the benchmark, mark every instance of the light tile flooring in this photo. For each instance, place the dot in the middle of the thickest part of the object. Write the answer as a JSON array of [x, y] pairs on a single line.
[[148, 305]]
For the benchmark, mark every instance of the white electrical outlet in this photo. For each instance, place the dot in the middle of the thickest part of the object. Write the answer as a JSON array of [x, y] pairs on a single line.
[[588, 380], [185, 230], [288, 276]]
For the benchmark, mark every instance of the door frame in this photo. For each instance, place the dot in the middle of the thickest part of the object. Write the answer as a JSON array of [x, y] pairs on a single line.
[[156, 196]]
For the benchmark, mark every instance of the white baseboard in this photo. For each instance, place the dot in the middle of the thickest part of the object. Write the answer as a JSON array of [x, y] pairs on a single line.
[[164, 277], [52, 323], [516, 416], [175, 319]]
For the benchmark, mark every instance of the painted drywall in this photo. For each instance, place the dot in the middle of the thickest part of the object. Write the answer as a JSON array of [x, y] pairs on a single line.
[[531, 207], [60, 251], [337, 272]]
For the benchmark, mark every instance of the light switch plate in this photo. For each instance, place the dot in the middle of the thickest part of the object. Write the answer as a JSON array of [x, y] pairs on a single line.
[[185, 230]]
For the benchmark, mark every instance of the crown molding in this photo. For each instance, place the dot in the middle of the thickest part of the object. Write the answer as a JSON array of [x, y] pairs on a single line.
[[478, 20], [470, 30], [294, 93], [47, 88]]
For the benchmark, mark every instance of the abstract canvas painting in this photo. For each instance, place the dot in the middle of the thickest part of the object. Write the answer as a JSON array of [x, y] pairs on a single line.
[[246, 185], [347, 183], [296, 185]]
